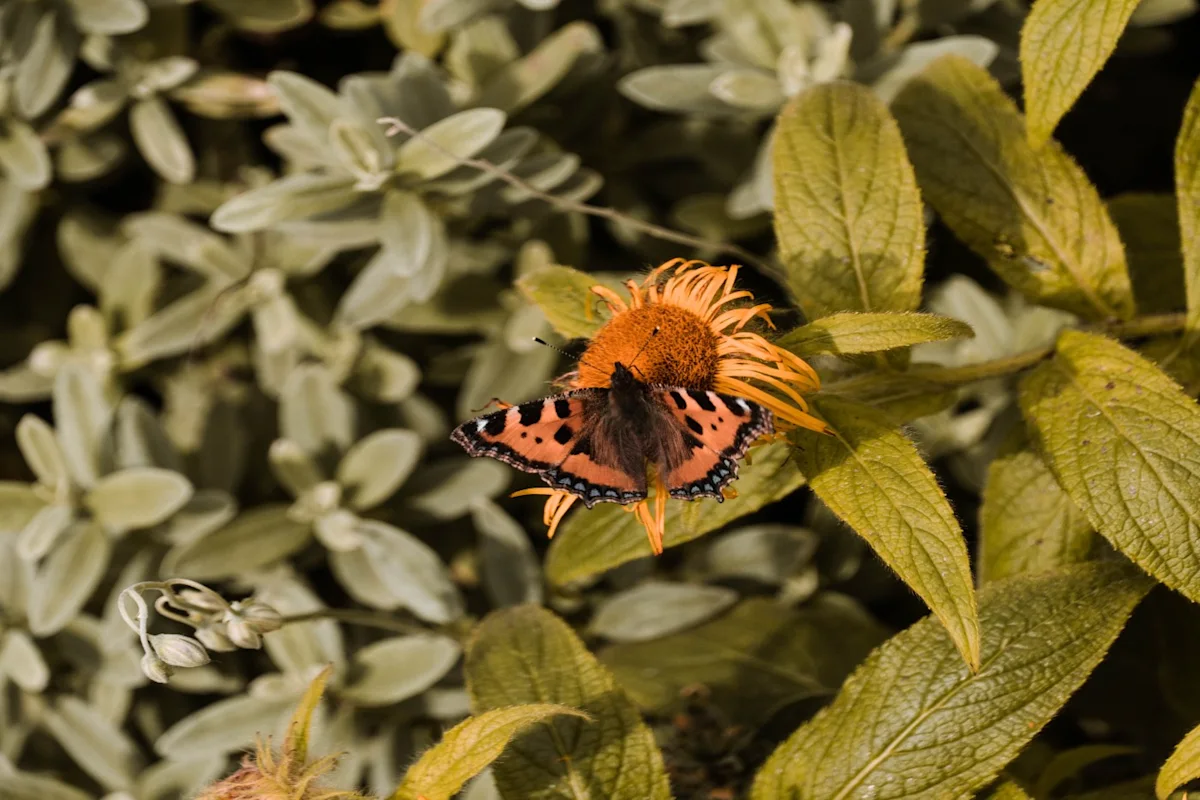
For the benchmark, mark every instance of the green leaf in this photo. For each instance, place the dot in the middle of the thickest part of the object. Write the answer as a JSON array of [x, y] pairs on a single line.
[[1009, 791], [754, 659], [265, 16], [407, 227], [676, 88], [67, 578], [1121, 438], [449, 488], [19, 504], [82, 416], [160, 140], [375, 467], [509, 569], [913, 717], [99, 747], [1064, 44], [517, 84], [636, 615], [29, 786], [564, 295], [309, 106], [23, 156], [46, 66], [398, 668], [314, 412], [293, 197], [187, 244], [224, 726], [848, 216], [21, 661], [194, 320], [394, 569], [1027, 523], [1149, 228], [528, 655], [39, 447], [1033, 215], [1187, 193], [138, 497], [42, 531], [1183, 766], [253, 540], [767, 553], [598, 539], [445, 144], [874, 480], [469, 747], [852, 332], [111, 17]]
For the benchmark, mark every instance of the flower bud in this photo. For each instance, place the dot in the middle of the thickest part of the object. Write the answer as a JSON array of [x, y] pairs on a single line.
[[179, 651], [155, 668], [213, 637], [261, 617], [241, 634], [202, 601]]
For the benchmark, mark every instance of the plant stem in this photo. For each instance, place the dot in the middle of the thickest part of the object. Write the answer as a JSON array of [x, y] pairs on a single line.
[[566, 204]]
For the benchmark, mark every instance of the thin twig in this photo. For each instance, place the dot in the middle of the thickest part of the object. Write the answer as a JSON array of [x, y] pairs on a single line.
[[352, 616], [396, 125]]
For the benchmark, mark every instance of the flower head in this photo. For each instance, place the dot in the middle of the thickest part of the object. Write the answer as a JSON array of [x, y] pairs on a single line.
[[685, 326]]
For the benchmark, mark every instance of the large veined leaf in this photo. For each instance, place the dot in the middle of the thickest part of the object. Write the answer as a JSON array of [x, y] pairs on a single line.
[[847, 212], [1027, 522], [1032, 214], [874, 479], [1063, 45], [528, 655], [594, 540], [850, 332], [1182, 767], [469, 747], [915, 720], [1121, 438], [1187, 193]]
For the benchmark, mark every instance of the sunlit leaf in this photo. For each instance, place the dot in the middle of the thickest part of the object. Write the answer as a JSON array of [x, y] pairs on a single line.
[[396, 669], [443, 145], [293, 197], [848, 216], [255, 539], [528, 655], [1121, 438], [874, 479], [137, 497], [1182, 767], [1027, 522], [850, 332], [1032, 214], [598, 539], [914, 717], [636, 615], [1063, 45], [67, 578], [467, 748], [161, 141], [1187, 192]]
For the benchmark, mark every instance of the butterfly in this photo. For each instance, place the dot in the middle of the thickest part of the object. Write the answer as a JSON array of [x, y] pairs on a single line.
[[595, 443]]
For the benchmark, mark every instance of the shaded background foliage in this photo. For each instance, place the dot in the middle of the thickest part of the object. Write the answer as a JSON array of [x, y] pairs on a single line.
[[260, 400]]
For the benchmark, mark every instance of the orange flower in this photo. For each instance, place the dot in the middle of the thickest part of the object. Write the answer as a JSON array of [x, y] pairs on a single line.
[[700, 344]]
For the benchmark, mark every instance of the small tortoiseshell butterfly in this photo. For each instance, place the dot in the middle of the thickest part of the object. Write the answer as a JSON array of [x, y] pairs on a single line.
[[595, 443]]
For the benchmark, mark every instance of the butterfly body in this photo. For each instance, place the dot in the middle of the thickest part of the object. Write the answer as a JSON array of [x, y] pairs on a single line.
[[596, 443]]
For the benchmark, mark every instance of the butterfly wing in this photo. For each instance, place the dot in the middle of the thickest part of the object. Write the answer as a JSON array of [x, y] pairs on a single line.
[[551, 438], [713, 433]]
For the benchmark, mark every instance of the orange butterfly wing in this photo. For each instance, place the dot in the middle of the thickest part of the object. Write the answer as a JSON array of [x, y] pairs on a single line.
[[717, 429], [548, 437]]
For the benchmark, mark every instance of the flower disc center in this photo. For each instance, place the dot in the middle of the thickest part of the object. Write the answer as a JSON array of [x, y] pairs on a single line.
[[682, 353]]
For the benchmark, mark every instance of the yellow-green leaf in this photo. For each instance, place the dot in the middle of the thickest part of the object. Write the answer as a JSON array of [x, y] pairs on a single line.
[[1027, 523], [848, 216], [1123, 440], [1032, 214], [299, 728], [528, 655], [1009, 791], [594, 540], [1064, 43], [752, 660], [915, 719], [852, 332], [469, 747], [874, 480], [1183, 766], [1187, 193], [565, 296]]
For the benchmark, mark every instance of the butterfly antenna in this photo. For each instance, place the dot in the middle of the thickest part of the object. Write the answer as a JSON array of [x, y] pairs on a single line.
[[564, 352], [645, 344]]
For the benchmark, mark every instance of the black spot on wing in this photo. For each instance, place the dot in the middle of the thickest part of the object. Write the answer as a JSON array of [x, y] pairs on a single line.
[[531, 413], [495, 423], [703, 399], [563, 434], [680, 403], [696, 427], [583, 447], [562, 408], [737, 405]]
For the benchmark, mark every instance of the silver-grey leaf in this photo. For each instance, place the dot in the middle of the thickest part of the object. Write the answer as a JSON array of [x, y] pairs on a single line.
[[636, 615], [401, 667]]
